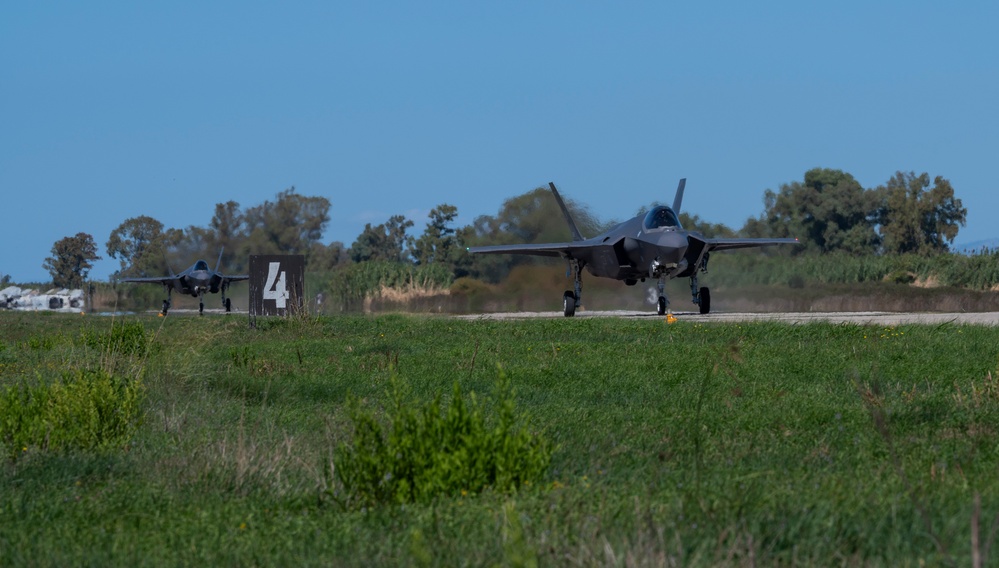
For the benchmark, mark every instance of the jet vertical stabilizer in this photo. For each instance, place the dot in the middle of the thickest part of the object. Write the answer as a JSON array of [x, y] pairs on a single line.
[[678, 198], [218, 262], [576, 235]]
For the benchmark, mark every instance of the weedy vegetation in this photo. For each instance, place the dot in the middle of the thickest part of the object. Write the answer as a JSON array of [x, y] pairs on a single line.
[[401, 440], [85, 403], [425, 453]]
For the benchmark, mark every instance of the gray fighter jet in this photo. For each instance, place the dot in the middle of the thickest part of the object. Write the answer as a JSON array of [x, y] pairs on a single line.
[[653, 245], [195, 281]]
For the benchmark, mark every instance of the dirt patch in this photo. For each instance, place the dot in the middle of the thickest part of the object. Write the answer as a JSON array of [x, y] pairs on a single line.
[[928, 282]]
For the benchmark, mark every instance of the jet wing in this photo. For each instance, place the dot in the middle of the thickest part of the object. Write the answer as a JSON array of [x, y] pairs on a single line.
[[543, 249], [153, 280], [236, 278], [729, 244]]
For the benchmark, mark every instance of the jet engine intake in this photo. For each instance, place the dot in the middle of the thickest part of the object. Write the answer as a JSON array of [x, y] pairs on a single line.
[[633, 248]]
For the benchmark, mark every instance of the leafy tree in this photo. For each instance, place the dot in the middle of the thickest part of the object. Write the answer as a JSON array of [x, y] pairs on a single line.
[[290, 225], [226, 232], [370, 245], [438, 238], [228, 223], [916, 218], [140, 244], [709, 230], [400, 243], [533, 217], [327, 257], [828, 211], [387, 241], [442, 244], [71, 260], [188, 244]]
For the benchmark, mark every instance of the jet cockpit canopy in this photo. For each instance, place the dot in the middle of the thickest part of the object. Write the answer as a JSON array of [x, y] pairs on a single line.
[[661, 217]]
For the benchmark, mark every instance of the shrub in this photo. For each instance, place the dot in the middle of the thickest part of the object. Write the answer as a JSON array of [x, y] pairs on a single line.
[[84, 410], [428, 452]]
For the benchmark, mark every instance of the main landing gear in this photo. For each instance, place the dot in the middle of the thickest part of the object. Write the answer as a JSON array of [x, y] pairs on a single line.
[[166, 303], [226, 302], [569, 304], [570, 299], [702, 296]]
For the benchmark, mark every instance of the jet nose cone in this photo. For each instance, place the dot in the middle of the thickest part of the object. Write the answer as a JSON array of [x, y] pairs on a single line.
[[672, 246]]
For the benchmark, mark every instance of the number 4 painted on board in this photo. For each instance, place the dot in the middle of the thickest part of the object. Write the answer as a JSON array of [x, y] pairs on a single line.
[[276, 287]]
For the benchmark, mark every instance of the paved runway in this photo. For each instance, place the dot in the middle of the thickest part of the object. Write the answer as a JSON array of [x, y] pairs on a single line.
[[859, 318]]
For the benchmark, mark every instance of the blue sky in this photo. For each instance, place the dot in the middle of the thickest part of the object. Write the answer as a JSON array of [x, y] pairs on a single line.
[[112, 110]]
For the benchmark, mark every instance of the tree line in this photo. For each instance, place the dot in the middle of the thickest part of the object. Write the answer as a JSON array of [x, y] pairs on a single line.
[[828, 211]]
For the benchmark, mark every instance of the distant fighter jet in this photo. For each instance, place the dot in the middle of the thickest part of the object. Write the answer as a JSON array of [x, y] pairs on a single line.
[[653, 245], [195, 281]]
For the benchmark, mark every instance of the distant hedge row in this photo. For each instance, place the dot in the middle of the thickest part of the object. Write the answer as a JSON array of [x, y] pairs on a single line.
[[974, 272]]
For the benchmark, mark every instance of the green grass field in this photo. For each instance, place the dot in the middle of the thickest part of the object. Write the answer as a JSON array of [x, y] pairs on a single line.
[[675, 444]]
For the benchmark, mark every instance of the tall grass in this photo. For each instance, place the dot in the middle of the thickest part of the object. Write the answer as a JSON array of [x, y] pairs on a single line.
[[356, 285], [677, 444]]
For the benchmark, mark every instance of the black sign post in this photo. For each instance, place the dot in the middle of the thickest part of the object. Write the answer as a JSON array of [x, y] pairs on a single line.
[[277, 285]]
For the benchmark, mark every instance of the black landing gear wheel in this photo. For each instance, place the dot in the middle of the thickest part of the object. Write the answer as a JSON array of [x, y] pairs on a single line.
[[569, 303], [705, 300], [661, 306]]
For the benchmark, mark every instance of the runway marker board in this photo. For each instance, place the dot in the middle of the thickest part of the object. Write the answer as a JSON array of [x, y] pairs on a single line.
[[277, 285]]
